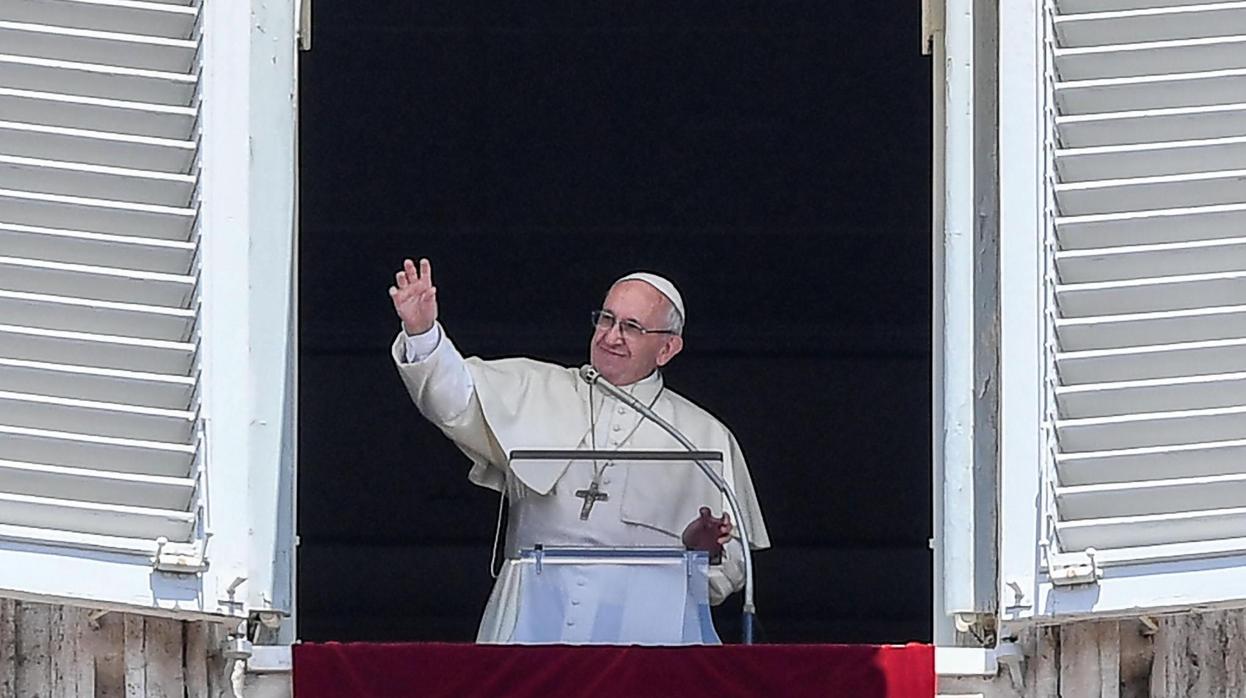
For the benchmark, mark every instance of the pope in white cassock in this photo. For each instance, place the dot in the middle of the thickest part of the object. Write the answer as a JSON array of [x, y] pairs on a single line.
[[491, 408]]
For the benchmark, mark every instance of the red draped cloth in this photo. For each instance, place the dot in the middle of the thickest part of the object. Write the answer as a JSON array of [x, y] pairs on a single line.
[[335, 670]]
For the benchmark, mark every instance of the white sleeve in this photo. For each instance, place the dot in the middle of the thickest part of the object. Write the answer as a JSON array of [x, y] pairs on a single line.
[[420, 346], [728, 577], [449, 386]]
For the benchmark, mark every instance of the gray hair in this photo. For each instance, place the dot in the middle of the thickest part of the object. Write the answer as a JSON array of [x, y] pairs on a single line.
[[674, 319]]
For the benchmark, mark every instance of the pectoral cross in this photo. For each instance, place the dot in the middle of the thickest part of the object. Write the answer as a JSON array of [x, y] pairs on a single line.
[[591, 496]]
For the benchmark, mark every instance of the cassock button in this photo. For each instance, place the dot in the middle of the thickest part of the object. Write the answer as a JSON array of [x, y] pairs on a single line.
[[580, 582], [622, 411], [617, 427], [570, 623], [575, 602]]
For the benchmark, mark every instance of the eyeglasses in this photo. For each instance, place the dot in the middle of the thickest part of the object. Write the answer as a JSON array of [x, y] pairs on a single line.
[[606, 320]]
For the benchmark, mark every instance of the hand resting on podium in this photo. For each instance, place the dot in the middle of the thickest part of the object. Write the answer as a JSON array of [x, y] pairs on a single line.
[[709, 534]]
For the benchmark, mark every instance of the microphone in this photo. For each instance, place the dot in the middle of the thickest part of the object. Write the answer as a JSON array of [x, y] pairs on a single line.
[[593, 377]]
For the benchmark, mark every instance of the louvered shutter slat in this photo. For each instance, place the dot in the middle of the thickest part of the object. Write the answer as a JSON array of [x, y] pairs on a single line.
[[1117, 500], [1150, 361], [1142, 464], [127, 16], [1150, 159], [56, 312], [99, 425], [1184, 90], [1160, 328], [103, 519], [1155, 58], [1151, 126], [1151, 226], [1153, 530], [1148, 275], [1144, 26], [79, 247], [55, 482], [85, 383], [119, 116], [1145, 261], [1162, 395], [73, 450], [96, 147], [101, 81], [123, 50]]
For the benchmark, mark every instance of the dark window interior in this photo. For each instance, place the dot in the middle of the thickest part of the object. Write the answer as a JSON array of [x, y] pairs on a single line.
[[771, 158]]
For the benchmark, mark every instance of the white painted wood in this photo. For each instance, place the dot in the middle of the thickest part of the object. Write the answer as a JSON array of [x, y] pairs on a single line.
[[1163, 327], [1151, 226], [100, 283], [1192, 460], [88, 451], [120, 116], [96, 215], [96, 181], [1195, 89], [1151, 58], [1159, 395], [1152, 529], [96, 147], [1151, 125], [42, 480], [95, 518], [1152, 294], [1206, 188], [1151, 362], [115, 251], [94, 80], [89, 383], [49, 311], [1091, 163], [1150, 24], [149, 18], [1137, 498], [93, 350], [1143, 319], [121, 49], [96, 418], [1150, 429]]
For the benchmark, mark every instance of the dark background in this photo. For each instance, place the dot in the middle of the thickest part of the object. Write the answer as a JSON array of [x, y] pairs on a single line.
[[772, 158]]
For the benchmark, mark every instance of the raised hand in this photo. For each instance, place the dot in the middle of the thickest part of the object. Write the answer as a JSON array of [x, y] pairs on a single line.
[[415, 297]]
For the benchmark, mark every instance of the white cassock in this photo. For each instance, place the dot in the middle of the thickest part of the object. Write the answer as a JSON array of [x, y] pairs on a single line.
[[491, 408]]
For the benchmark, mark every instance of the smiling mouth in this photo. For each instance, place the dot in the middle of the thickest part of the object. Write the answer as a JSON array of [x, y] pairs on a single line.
[[612, 352]]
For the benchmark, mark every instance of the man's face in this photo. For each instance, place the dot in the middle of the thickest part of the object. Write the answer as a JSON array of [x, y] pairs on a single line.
[[626, 357]]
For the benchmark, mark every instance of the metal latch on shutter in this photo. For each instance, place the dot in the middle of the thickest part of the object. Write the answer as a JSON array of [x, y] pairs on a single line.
[[179, 558], [1071, 569]]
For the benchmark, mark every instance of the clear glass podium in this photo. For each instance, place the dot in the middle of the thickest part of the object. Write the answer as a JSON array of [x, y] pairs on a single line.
[[644, 596], [571, 593]]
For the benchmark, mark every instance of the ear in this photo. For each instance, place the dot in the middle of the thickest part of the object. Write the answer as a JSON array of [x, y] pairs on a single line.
[[673, 346]]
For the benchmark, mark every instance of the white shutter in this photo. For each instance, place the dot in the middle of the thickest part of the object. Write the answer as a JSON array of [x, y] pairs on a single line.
[[98, 243], [1144, 482], [131, 235]]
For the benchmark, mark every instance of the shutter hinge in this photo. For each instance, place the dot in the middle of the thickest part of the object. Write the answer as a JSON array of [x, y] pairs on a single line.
[[179, 558], [1072, 569]]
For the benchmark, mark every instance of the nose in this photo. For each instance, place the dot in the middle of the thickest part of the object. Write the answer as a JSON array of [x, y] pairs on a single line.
[[614, 335]]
